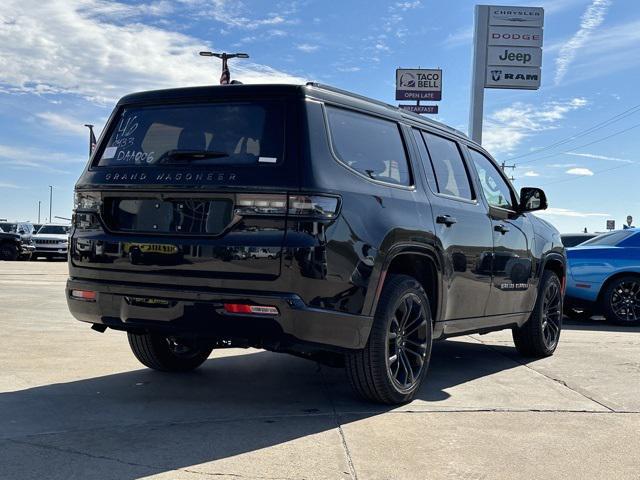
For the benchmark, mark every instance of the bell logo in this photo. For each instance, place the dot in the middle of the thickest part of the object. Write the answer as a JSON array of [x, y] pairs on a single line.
[[496, 75]]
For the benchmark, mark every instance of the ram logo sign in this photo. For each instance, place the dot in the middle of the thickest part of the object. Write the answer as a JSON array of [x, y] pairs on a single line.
[[513, 77]]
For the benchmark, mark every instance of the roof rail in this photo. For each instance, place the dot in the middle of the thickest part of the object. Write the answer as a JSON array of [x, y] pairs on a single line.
[[386, 105]]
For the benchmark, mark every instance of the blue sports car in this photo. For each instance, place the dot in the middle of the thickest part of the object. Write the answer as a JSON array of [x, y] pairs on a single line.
[[604, 277]]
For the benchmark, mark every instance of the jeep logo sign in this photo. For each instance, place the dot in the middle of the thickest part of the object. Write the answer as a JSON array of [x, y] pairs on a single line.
[[514, 56]]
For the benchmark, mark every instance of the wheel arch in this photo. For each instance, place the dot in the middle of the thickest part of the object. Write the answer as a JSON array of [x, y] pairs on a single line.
[[556, 263], [609, 280], [420, 262]]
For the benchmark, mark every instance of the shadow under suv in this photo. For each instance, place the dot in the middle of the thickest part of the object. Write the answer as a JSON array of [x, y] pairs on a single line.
[[306, 220]]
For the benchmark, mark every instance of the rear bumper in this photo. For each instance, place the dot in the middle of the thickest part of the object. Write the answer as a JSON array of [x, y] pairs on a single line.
[[190, 312]]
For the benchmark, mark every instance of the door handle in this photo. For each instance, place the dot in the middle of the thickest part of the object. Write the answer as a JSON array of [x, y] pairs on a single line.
[[447, 220], [501, 228]]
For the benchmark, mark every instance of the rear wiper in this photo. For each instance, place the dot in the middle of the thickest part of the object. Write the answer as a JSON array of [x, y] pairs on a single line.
[[189, 156]]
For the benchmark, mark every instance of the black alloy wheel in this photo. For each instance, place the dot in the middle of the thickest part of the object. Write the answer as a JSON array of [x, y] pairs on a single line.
[[407, 342], [391, 367], [622, 301], [552, 315], [540, 335]]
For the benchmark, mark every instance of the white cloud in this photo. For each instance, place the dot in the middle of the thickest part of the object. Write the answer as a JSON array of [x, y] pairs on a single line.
[[591, 19], [307, 47], [9, 185], [62, 123], [234, 14], [566, 212], [459, 38], [348, 69], [562, 165], [65, 48], [581, 171], [29, 158], [531, 173], [506, 128], [404, 6], [600, 157]]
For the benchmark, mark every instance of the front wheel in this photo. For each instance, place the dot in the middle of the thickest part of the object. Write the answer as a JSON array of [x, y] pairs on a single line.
[[8, 251], [540, 335], [392, 366], [621, 301], [167, 354]]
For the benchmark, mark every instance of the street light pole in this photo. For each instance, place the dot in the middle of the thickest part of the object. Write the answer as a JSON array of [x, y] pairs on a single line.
[[50, 202], [39, 202], [225, 78]]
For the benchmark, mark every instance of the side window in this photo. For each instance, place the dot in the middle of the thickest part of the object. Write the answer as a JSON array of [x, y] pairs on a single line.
[[369, 145], [424, 158], [494, 186], [448, 165]]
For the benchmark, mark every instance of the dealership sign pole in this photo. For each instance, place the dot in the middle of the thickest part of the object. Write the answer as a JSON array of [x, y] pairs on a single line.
[[507, 53]]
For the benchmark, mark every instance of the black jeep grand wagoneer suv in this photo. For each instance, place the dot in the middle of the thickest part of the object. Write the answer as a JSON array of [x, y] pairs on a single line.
[[307, 220]]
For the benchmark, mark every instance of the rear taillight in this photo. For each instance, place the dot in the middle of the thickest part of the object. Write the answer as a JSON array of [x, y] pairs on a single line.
[[86, 295], [248, 309], [316, 206], [86, 210], [313, 205]]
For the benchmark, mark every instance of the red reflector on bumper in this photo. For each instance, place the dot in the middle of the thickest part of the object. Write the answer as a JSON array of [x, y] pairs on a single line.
[[250, 309], [88, 295]]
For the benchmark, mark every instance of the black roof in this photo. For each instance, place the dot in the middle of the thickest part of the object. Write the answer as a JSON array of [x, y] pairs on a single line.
[[311, 89]]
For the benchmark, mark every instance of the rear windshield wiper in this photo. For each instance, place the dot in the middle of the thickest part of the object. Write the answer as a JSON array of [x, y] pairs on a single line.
[[180, 156]]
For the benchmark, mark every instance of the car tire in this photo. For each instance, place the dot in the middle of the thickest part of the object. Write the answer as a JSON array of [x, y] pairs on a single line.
[[395, 360], [165, 354], [539, 336], [621, 301], [8, 252]]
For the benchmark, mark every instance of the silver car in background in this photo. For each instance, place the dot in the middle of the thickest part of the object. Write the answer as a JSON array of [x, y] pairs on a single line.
[[51, 240]]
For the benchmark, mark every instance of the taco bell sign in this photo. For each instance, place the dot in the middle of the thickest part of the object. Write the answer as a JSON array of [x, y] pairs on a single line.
[[418, 84]]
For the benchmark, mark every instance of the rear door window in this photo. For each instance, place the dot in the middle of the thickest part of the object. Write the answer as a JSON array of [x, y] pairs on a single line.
[[449, 167], [424, 158], [369, 145], [207, 134]]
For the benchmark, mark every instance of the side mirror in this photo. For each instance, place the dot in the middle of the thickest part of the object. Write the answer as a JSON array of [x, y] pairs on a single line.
[[22, 232], [532, 199]]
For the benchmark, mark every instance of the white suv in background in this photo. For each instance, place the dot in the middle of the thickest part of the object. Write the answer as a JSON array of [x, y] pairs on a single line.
[[51, 240]]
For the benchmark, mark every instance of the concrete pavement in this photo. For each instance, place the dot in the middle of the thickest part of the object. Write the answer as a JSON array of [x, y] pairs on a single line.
[[76, 404]]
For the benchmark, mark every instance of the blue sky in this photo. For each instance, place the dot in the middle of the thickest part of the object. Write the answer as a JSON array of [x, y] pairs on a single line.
[[64, 63]]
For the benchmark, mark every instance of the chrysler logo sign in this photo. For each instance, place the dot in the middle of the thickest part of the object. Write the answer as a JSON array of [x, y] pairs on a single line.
[[516, 16]]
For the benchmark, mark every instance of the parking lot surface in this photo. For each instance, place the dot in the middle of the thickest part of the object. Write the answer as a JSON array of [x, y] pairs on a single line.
[[75, 403]]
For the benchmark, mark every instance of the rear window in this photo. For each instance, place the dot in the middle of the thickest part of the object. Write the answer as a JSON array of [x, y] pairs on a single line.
[[609, 239], [369, 145], [206, 134]]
